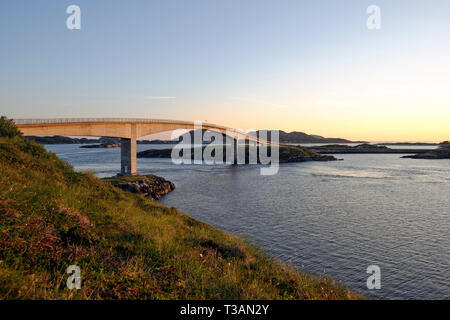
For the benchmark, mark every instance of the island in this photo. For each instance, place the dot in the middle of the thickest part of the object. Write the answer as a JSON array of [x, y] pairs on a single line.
[[61, 140], [298, 137], [286, 154], [442, 152], [294, 137], [102, 145], [420, 144], [362, 148]]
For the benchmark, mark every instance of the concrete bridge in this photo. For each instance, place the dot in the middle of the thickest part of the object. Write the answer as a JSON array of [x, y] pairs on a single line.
[[127, 129]]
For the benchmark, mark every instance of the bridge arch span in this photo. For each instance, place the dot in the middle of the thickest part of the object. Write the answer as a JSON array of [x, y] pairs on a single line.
[[129, 129]]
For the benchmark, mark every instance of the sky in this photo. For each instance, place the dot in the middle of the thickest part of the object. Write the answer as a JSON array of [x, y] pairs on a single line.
[[310, 66]]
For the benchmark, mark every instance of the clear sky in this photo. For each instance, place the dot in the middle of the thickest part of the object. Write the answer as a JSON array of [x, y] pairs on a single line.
[[309, 66]]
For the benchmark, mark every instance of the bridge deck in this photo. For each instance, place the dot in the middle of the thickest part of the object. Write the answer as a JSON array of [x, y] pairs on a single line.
[[129, 129]]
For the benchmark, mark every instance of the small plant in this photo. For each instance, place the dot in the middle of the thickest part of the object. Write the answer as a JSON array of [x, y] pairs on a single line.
[[8, 129]]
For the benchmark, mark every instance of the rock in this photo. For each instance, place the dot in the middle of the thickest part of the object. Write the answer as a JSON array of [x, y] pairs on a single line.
[[102, 145], [152, 189], [440, 153]]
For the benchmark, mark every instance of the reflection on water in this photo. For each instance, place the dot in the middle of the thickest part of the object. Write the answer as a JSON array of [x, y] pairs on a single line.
[[333, 218]]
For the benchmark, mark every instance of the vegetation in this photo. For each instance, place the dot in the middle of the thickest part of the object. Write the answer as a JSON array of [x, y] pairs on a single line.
[[149, 178], [126, 246], [296, 151]]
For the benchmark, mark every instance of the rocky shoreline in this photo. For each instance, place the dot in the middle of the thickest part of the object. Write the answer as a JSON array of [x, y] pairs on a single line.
[[430, 155], [308, 158], [102, 145], [362, 149], [150, 186], [443, 152]]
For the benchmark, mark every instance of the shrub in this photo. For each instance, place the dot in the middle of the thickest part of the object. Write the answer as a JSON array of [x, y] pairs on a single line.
[[8, 129]]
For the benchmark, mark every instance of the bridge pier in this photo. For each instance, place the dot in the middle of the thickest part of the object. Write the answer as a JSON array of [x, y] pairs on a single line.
[[235, 151], [128, 157]]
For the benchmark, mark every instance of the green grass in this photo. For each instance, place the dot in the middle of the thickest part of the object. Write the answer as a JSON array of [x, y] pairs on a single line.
[[126, 246], [150, 178]]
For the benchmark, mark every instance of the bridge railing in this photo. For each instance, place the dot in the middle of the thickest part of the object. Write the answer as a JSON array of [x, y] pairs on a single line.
[[90, 120]]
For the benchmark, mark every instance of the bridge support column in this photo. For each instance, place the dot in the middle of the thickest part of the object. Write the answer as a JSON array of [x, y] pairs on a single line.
[[247, 151], [235, 151], [128, 157]]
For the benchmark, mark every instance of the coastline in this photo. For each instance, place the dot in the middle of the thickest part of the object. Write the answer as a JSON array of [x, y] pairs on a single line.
[[126, 246]]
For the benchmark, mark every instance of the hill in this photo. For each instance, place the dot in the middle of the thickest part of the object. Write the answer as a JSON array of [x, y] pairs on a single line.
[[126, 246], [61, 140], [71, 140], [285, 137], [301, 137]]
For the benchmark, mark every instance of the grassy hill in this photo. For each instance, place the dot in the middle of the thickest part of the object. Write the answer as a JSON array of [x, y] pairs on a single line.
[[126, 246]]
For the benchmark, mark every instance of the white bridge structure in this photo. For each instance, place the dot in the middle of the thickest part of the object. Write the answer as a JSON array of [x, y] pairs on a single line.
[[128, 129]]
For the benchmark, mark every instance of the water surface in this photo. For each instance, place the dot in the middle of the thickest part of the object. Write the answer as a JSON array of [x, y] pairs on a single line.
[[332, 218]]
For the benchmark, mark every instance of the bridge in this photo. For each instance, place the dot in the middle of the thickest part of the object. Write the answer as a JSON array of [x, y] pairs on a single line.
[[129, 130]]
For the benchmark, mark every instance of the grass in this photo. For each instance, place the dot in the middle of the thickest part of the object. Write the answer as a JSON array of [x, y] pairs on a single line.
[[126, 246], [150, 178]]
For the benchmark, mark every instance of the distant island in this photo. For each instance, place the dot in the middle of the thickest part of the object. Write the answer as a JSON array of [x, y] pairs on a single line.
[[361, 148], [61, 140], [102, 145], [407, 144], [301, 137], [157, 141], [442, 152], [285, 137]]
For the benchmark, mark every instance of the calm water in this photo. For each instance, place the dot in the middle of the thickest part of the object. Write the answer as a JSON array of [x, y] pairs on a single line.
[[332, 218]]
